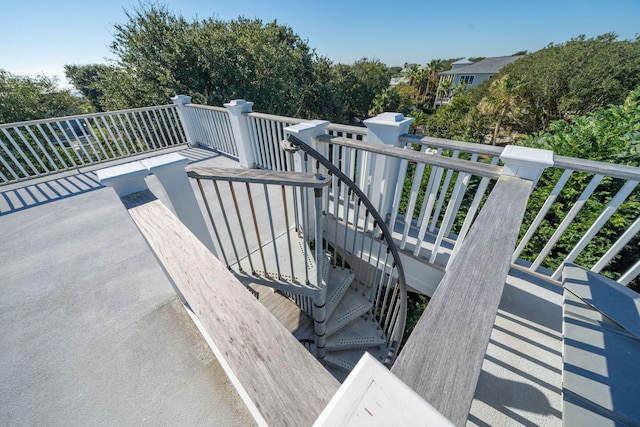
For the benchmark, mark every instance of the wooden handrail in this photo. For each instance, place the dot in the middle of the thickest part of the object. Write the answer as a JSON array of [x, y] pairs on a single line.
[[468, 147], [443, 357], [474, 168], [257, 176], [283, 382], [207, 107]]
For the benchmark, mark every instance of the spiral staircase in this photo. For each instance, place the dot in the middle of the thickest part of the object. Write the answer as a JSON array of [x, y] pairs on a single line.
[[351, 285]]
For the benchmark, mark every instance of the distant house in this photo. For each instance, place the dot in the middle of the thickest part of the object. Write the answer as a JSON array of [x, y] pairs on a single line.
[[469, 73], [395, 81]]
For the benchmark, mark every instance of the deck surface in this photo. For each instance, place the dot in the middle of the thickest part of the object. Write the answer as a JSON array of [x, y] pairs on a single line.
[[91, 331]]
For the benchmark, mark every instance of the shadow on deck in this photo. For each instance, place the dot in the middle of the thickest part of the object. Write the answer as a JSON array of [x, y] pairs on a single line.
[[23, 195]]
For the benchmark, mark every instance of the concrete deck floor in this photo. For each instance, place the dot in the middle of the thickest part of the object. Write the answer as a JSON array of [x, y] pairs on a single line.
[[91, 330]]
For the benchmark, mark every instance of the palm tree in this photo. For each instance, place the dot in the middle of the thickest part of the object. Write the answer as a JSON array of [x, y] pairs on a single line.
[[503, 99], [412, 73], [433, 68]]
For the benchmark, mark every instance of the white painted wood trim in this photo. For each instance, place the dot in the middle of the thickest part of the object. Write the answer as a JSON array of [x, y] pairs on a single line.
[[373, 396]]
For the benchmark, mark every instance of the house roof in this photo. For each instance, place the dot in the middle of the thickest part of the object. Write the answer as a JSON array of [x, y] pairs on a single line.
[[463, 61], [486, 66]]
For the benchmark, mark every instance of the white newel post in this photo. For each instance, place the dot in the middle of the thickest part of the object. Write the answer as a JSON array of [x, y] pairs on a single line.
[[240, 127], [170, 171], [306, 132], [526, 163], [185, 118], [384, 129]]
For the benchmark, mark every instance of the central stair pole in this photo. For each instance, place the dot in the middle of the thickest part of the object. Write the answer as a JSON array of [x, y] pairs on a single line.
[[320, 300]]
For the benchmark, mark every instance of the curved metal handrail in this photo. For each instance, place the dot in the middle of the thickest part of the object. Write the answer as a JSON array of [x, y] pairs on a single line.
[[398, 330]]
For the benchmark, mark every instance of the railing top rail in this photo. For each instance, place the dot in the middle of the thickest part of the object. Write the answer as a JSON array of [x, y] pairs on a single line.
[[479, 169], [207, 107], [259, 176], [83, 116], [602, 168], [561, 162], [356, 130], [470, 147], [275, 118]]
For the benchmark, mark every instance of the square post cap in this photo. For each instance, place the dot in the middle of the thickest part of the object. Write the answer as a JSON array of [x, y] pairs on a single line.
[[124, 179]]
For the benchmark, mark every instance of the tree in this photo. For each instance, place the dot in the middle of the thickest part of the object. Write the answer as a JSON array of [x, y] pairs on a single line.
[[460, 119], [160, 55], [25, 98], [574, 78], [502, 100], [358, 84], [87, 79]]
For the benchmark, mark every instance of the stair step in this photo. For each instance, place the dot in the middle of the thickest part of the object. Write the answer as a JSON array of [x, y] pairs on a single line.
[[352, 306], [338, 374], [346, 360], [338, 282], [358, 334]]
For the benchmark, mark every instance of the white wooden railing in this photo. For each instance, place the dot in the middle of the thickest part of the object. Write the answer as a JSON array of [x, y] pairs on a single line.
[[432, 207], [266, 132], [41, 147], [211, 128]]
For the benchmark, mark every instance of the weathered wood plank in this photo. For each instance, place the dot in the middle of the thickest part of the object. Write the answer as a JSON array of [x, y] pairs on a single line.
[[443, 357], [599, 168], [284, 382], [474, 168], [260, 176], [468, 147]]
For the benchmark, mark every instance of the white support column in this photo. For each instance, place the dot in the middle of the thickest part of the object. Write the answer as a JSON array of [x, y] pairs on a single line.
[[526, 163], [185, 118], [124, 179], [240, 126], [384, 129], [306, 132], [170, 171]]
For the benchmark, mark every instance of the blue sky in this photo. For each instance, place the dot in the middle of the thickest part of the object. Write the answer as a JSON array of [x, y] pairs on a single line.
[[41, 36]]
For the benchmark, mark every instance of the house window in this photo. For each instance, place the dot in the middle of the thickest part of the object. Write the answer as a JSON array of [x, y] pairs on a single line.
[[466, 79]]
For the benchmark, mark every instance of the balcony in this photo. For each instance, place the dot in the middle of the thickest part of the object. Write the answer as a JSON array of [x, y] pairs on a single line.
[[101, 326]]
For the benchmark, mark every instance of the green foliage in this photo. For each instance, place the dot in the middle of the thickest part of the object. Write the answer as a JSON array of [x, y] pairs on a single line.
[[357, 85], [213, 61], [160, 55], [25, 98], [609, 134], [502, 103], [416, 304], [574, 78], [460, 120], [87, 79]]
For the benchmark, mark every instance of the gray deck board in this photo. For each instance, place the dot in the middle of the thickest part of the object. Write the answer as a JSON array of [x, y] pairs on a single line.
[[601, 353], [283, 381], [443, 357]]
